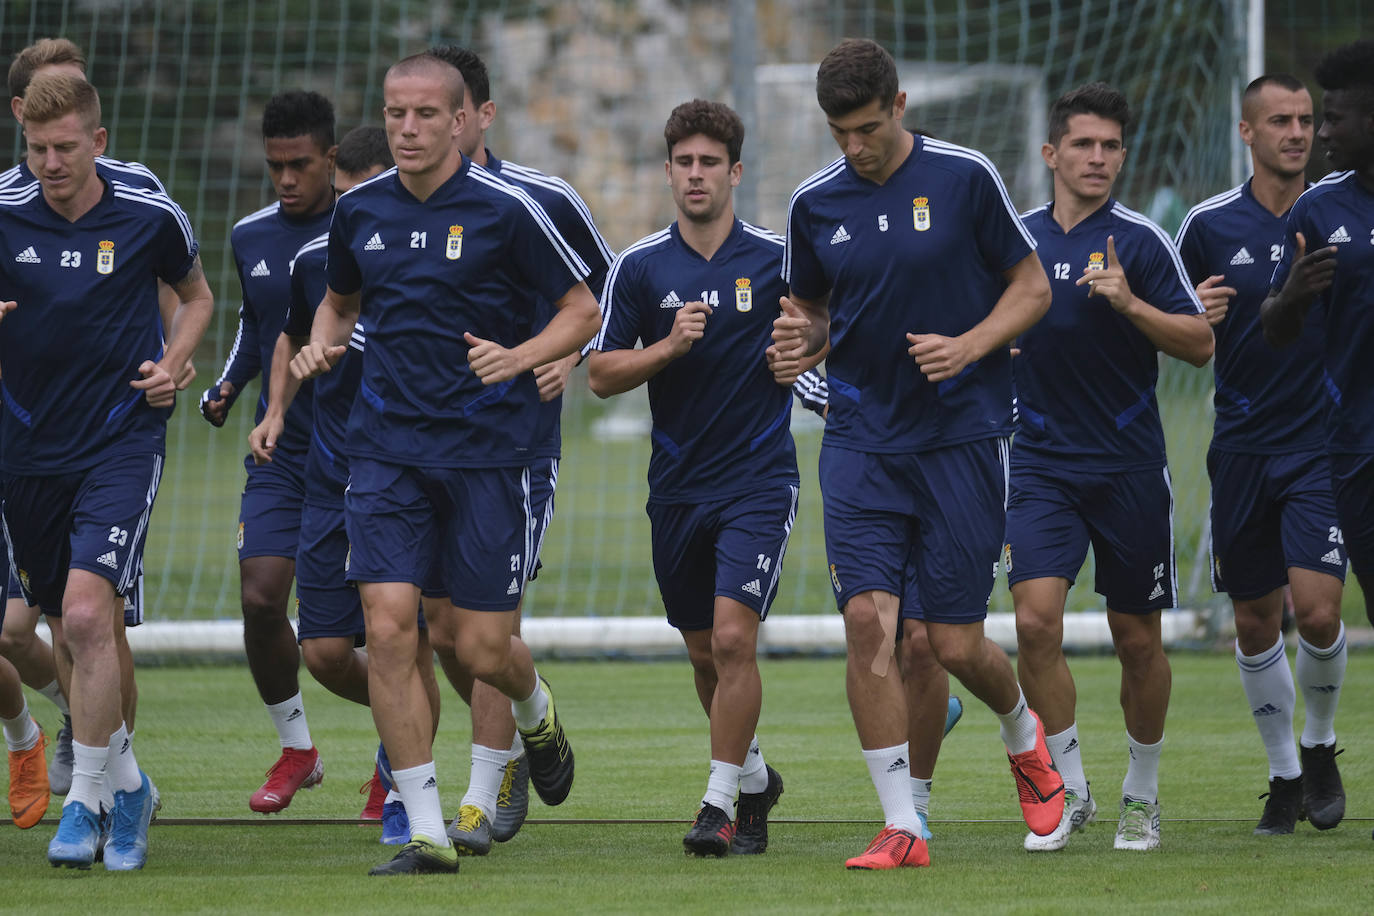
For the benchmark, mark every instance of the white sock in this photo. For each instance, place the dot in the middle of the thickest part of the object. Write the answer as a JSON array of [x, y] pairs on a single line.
[[1142, 772], [1268, 684], [530, 711], [21, 732], [1321, 673], [517, 747], [1018, 727], [890, 769], [753, 776], [120, 766], [54, 692], [484, 779], [920, 794], [289, 718], [722, 785], [419, 790], [88, 774], [1068, 759]]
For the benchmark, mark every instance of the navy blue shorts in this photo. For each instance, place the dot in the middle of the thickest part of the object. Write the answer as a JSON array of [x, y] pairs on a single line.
[[270, 511], [1352, 483], [732, 548], [1271, 513], [96, 520], [543, 483], [941, 513], [468, 532], [1127, 517], [326, 604]]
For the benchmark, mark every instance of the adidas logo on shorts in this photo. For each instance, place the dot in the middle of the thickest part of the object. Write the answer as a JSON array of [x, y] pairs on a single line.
[[260, 270], [839, 236], [28, 256], [375, 243], [671, 301], [753, 588], [514, 587], [1340, 235], [1242, 257], [109, 560], [1333, 556], [1157, 593]]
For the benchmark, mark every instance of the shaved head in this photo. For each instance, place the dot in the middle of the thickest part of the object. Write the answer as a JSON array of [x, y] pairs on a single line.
[[428, 63]]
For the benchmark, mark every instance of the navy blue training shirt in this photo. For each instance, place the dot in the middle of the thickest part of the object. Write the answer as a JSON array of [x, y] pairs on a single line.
[[87, 317], [922, 253], [473, 257], [721, 423], [1339, 211], [1268, 401], [1085, 379]]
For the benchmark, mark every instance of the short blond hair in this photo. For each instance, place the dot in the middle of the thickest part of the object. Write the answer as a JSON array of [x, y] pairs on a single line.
[[42, 53], [54, 95]]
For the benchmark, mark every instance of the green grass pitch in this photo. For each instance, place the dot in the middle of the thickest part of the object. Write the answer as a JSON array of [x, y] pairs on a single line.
[[641, 748]]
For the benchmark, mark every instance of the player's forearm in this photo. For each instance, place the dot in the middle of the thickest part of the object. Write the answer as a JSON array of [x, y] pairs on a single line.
[[189, 323], [334, 319], [576, 322], [283, 386], [1182, 336], [1282, 316], [1024, 302], [242, 364], [616, 371]]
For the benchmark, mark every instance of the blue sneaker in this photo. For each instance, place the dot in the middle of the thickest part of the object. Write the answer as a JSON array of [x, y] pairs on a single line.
[[127, 848], [384, 768], [953, 715], [921, 815], [395, 824], [77, 834]]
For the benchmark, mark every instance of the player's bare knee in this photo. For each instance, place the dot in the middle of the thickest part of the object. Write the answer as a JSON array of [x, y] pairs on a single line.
[[1039, 635], [733, 646], [482, 654], [1319, 625], [87, 627], [326, 660]]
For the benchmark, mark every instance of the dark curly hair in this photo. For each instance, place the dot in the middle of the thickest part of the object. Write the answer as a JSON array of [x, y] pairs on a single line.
[[298, 112], [712, 119]]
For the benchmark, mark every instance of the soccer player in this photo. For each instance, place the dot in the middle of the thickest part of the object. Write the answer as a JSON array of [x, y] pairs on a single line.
[[441, 256], [29, 791], [1337, 214], [298, 142], [497, 798], [723, 481], [41, 666], [81, 475], [907, 255], [329, 612], [1274, 519], [1088, 464]]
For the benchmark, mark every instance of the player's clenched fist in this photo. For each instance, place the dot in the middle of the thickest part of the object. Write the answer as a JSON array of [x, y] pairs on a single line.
[[157, 384], [1215, 298], [315, 359], [688, 327], [939, 357], [490, 361]]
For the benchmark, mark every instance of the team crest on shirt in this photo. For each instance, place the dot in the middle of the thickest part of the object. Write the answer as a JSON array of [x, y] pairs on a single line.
[[454, 249], [104, 258], [1097, 261], [240, 537], [920, 213], [744, 296]]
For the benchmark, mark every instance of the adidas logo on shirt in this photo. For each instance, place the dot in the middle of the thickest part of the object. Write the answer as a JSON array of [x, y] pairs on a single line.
[[1157, 593], [28, 256], [1333, 556], [671, 301], [514, 587], [260, 269], [839, 236], [375, 243], [1340, 235], [1242, 257], [753, 588], [109, 560]]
